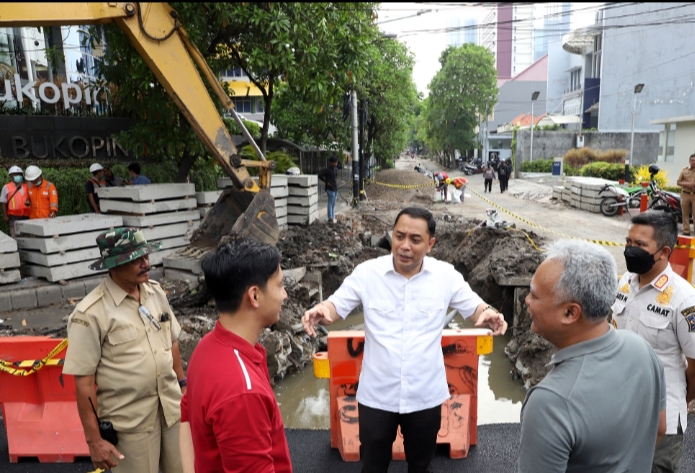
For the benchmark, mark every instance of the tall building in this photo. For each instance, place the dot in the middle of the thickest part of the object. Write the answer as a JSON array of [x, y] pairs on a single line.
[[462, 31], [507, 31], [556, 22]]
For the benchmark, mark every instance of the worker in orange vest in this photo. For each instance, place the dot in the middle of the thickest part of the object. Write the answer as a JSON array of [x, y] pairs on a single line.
[[43, 196], [13, 196]]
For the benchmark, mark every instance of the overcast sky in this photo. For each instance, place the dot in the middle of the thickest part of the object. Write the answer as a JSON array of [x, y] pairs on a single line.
[[427, 47]]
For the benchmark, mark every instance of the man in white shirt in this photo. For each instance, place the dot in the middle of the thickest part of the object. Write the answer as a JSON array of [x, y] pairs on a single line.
[[405, 297]]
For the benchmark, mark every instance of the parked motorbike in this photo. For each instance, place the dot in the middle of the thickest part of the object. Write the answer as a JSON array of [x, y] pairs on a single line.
[[475, 167], [668, 202]]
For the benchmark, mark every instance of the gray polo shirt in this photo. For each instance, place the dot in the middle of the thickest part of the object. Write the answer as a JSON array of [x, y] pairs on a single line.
[[597, 410]]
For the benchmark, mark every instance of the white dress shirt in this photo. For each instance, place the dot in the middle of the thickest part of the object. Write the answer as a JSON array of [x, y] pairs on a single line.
[[663, 313], [403, 365]]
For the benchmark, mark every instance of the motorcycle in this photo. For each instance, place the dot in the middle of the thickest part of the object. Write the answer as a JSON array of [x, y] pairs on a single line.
[[668, 202], [476, 167], [620, 197]]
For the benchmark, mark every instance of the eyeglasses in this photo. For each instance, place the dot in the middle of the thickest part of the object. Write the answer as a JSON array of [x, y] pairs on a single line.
[[147, 317]]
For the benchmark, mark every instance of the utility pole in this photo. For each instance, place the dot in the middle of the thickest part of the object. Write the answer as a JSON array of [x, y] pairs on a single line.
[[638, 89], [363, 139], [355, 152]]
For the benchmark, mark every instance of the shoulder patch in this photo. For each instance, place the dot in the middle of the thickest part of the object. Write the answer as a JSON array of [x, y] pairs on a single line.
[[89, 300], [76, 320], [689, 314], [661, 282]]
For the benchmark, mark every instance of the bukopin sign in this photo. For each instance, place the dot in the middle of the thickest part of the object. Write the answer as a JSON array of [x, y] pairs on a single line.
[[29, 89]]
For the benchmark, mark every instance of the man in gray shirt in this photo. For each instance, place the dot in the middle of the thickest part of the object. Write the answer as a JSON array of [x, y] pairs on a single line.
[[602, 407]]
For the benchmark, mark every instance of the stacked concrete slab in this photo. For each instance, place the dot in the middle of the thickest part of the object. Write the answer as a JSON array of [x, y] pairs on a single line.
[[9, 260], [62, 248], [303, 200], [164, 212], [206, 201], [279, 191], [582, 192]]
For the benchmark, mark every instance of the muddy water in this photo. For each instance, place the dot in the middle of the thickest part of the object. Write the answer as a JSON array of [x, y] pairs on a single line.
[[304, 399]]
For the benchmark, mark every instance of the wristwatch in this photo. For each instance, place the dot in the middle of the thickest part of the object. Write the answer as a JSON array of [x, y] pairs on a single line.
[[490, 307], [182, 382]]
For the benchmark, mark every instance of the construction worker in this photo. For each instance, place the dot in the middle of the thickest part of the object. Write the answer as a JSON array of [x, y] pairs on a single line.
[[602, 406], [659, 305], [686, 180], [125, 358], [405, 296], [94, 182], [13, 196], [442, 184], [42, 195]]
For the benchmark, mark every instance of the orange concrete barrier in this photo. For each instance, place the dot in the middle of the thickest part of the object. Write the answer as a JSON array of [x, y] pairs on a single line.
[[459, 428], [682, 258], [39, 409]]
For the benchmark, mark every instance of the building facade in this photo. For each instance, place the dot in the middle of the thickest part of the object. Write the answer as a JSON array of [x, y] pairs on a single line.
[[556, 22], [507, 31]]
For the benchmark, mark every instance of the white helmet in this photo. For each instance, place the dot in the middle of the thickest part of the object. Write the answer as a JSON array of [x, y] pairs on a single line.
[[95, 167], [15, 170], [32, 173]]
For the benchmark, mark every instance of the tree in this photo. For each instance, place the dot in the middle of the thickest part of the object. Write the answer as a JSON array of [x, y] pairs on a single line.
[[463, 89]]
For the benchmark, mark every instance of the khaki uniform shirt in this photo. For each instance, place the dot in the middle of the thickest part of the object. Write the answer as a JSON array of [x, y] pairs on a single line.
[[131, 359], [687, 175], [663, 313]]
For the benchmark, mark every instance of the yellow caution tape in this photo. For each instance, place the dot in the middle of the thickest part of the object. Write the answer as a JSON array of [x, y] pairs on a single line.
[[15, 368], [402, 186]]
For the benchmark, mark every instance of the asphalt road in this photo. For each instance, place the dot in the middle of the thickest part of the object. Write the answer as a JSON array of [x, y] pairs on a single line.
[[496, 452]]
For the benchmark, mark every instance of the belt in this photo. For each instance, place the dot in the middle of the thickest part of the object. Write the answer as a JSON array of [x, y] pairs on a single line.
[[686, 192]]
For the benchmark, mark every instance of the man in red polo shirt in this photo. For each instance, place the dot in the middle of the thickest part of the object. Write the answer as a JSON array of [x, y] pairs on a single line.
[[230, 419]]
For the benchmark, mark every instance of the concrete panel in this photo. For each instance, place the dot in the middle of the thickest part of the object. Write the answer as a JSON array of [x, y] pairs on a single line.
[[280, 212], [304, 180], [297, 210], [278, 180], [282, 221], [64, 243], [49, 295], [24, 299], [279, 192], [280, 203], [303, 191], [224, 182], [9, 260], [8, 277], [58, 259], [304, 201], [147, 193], [147, 208], [68, 225], [157, 259], [73, 290], [184, 263], [7, 243], [161, 219], [168, 231], [169, 243], [60, 273], [302, 219], [207, 198]]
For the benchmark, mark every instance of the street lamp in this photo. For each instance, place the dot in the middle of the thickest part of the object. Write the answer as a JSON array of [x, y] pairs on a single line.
[[638, 89], [534, 96]]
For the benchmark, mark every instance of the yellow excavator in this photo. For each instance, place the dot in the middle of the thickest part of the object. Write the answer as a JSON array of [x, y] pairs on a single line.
[[247, 209]]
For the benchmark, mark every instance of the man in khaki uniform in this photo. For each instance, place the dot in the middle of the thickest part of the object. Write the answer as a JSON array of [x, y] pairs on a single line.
[[122, 337], [686, 180]]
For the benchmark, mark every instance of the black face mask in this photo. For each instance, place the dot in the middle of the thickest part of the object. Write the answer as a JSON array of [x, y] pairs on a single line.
[[639, 261]]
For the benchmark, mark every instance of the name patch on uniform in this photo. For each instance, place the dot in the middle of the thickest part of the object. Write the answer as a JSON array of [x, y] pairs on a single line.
[[661, 282], [621, 297], [75, 320], [658, 310]]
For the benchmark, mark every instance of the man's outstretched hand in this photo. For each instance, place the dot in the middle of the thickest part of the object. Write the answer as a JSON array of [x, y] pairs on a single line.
[[320, 313]]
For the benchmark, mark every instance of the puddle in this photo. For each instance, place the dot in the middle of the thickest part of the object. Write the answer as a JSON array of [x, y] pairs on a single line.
[[304, 400]]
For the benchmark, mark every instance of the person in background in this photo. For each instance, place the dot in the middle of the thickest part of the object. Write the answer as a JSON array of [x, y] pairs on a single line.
[[136, 178], [42, 199], [13, 197], [488, 175], [442, 185], [110, 179], [328, 176], [659, 305], [503, 175], [686, 180], [602, 406], [230, 419], [94, 182], [125, 357]]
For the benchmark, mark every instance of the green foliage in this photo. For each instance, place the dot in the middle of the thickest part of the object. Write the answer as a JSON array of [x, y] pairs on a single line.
[[234, 129], [537, 165], [283, 161], [390, 164], [643, 175], [463, 89], [676, 189], [610, 171], [578, 157]]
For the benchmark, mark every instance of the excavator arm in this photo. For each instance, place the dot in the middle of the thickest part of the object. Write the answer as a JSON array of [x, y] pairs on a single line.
[[155, 32]]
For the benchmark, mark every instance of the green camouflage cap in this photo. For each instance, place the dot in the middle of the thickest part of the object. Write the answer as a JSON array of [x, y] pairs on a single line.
[[121, 246]]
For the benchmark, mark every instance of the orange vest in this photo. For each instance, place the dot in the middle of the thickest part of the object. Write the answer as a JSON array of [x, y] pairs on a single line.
[[43, 199], [16, 199]]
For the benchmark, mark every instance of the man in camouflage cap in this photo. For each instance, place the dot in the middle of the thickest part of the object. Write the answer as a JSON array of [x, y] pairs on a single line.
[[123, 339]]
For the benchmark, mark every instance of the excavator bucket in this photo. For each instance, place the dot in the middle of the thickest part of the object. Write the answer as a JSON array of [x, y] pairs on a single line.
[[239, 214]]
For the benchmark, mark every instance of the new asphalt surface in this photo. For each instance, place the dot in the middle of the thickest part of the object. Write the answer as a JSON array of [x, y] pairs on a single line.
[[311, 453]]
